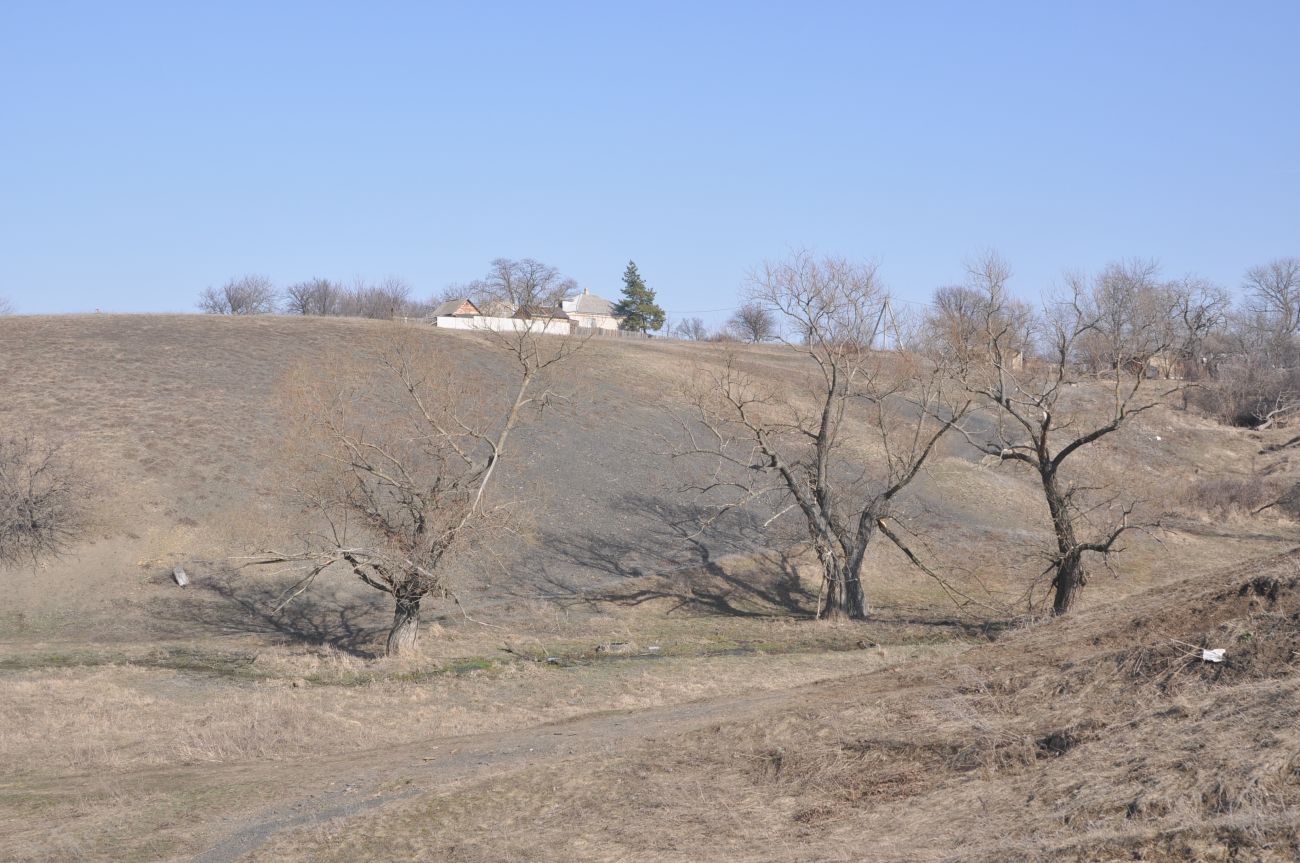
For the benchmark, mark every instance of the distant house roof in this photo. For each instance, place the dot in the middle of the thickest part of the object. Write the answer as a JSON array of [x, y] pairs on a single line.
[[541, 312], [452, 308], [588, 304]]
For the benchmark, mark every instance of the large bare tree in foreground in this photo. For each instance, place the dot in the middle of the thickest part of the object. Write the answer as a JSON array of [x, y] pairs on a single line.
[[838, 443], [1114, 323], [401, 454]]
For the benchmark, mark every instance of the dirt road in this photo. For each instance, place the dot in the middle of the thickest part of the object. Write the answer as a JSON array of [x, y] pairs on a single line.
[[345, 786]]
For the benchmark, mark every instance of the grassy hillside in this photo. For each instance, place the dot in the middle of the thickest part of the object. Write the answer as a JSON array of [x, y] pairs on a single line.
[[1099, 738], [179, 419], [151, 722]]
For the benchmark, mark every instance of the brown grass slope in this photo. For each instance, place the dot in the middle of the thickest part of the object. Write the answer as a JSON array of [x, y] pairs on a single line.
[[1103, 737], [179, 419], [207, 706]]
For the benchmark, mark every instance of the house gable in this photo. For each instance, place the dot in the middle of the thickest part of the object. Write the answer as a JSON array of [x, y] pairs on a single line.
[[462, 308]]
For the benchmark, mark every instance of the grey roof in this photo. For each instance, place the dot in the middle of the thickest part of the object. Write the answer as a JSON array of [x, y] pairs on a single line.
[[590, 304], [541, 312], [450, 307]]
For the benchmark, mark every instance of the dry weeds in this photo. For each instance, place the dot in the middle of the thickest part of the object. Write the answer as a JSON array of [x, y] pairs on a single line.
[[1096, 738], [1052, 744]]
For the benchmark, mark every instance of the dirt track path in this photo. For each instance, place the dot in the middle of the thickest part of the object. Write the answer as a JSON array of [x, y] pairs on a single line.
[[345, 786]]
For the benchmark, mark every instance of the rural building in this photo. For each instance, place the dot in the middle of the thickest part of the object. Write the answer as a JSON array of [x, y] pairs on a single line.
[[462, 308], [500, 316], [541, 313], [588, 310], [496, 309]]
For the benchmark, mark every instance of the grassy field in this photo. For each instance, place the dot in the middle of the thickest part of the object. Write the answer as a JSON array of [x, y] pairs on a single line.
[[612, 688]]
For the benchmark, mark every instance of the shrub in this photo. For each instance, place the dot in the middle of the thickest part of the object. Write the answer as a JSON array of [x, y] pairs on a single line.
[[1247, 395], [41, 499], [1223, 496]]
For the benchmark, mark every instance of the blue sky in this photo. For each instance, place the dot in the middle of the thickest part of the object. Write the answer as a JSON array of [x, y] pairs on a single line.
[[148, 150]]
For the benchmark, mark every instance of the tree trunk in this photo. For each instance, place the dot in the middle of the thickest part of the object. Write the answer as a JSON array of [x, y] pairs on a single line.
[[1069, 565], [405, 633], [845, 598], [1069, 575]]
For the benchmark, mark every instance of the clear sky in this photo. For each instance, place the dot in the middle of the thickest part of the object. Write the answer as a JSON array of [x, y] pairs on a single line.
[[150, 149]]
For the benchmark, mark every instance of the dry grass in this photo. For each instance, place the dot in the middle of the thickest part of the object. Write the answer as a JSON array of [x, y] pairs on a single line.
[[179, 416], [134, 715], [120, 718], [1062, 743]]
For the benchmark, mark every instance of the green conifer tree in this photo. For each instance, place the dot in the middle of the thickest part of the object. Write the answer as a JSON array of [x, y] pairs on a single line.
[[638, 308]]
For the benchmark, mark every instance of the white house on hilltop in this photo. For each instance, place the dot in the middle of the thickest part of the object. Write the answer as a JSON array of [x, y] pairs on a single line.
[[588, 310]]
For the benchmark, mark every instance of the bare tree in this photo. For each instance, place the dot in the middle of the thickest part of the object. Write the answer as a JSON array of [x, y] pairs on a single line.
[[840, 446], [1133, 314], [401, 460], [522, 283], [313, 297], [6, 307], [392, 297], [1273, 290], [1256, 380], [1035, 424], [1200, 311], [754, 322], [954, 325], [42, 499], [451, 292], [953, 321], [693, 329], [250, 295], [1250, 354], [383, 300]]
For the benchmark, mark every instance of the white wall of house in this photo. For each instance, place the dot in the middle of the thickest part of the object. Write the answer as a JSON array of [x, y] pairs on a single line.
[[504, 325], [603, 322]]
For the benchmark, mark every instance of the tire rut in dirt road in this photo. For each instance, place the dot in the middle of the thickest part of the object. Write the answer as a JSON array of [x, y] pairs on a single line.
[[372, 780]]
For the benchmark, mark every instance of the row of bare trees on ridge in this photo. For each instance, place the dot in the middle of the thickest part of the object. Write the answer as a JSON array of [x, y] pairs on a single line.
[[513, 282]]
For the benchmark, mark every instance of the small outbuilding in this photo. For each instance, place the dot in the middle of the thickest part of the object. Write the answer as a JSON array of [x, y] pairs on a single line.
[[462, 308]]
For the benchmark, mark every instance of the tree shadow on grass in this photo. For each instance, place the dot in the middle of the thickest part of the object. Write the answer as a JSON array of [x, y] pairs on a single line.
[[741, 566], [728, 569], [225, 605]]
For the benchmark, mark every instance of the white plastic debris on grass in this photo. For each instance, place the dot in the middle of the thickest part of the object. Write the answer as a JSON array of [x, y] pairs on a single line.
[[1215, 655]]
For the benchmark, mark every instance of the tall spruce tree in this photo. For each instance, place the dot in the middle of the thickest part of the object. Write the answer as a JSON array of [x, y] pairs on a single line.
[[638, 308]]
